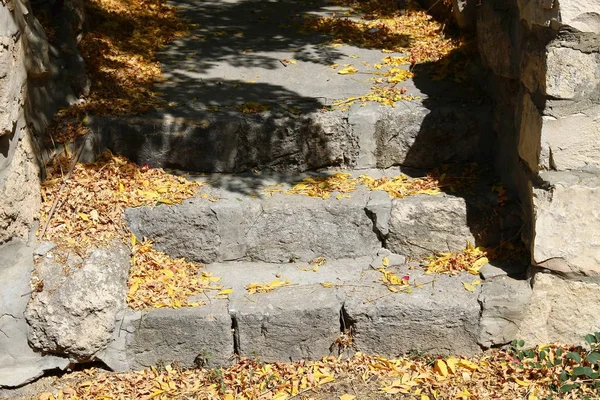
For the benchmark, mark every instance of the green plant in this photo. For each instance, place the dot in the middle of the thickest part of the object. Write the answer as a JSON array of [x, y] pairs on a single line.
[[572, 370]]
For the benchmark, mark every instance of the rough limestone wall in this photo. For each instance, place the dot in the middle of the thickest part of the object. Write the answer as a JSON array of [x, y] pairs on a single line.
[[36, 79], [544, 58], [19, 170]]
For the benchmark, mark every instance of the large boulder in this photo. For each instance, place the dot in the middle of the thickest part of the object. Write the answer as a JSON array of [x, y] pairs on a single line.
[[76, 312]]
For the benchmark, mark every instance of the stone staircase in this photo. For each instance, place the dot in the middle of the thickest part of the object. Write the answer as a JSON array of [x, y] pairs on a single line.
[[245, 233]]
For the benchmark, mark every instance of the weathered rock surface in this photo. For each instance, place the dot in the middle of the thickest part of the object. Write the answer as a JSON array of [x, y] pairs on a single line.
[[19, 364], [374, 136], [583, 15], [274, 229], [422, 224], [567, 224], [194, 337], [440, 318], [288, 324], [75, 313], [560, 310], [571, 142], [503, 301]]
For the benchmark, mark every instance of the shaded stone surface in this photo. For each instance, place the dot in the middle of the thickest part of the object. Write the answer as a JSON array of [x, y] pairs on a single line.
[[75, 313]]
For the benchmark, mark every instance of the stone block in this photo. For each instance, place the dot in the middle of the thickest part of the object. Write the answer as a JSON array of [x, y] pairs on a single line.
[[415, 136], [570, 72], [194, 337], [530, 126], [503, 301], [423, 224], [560, 310], [583, 15], [75, 313], [498, 37], [567, 224], [274, 229], [440, 318], [288, 324]]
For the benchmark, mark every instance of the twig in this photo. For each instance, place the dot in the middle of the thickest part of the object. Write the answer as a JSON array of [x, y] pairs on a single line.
[[62, 187]]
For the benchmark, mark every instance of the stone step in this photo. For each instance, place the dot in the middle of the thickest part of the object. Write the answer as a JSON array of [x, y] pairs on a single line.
[[235, 219], [411, 134], [307, 320]]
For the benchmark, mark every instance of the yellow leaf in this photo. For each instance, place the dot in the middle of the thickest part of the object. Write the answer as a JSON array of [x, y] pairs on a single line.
[[522, 382], [385, 261], [225, 292], [83, 216], [441, 367], [347, 71], [452, 362], [424, 397], [133, 240], [464, 394], [228, 396], [386, 51], [469, 287], [468, 364], [347, 397], [327, 284]]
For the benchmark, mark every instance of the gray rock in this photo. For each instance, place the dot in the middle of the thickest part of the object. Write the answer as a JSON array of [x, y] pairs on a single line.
[[422, 224], [489, 271], [440, 318], [19, 364], [288, 324], [301, 227], [503, 302], [194, 337], [43, 248], [379, 207], [198, 229], [231, 143], [75, 313], [275, 229], [414, 136]]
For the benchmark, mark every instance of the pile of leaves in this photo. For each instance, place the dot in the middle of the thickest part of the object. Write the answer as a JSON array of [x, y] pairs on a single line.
[[119, 49], [379, 24], [470, 259], [397, 187], [156, 280], [89, 206], [410, 31], [547, 371]]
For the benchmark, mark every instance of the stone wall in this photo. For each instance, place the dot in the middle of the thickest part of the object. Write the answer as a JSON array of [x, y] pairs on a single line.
[[36, 78], [544, 62]]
